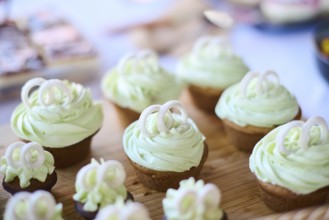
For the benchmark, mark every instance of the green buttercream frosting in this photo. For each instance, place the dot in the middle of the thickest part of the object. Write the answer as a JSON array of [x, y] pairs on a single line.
[[101, 195], [22, 212], [274, 106], [177, 150], [303, 171], [58, 125], [212, 66], [191, 208], [141, 84], [24, 173]]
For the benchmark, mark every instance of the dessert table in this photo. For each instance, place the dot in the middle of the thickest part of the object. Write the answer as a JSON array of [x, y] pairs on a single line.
[[290, 54]]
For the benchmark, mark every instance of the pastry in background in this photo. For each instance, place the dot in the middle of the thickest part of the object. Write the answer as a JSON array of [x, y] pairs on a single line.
[[286, 11], [121, 210], [37, 205], [27, 167], [291, 165], [60, 43], [137, 82], [59, 115], [165, 147], [209, 68], [253, 107], [99, 184], [193, 200]]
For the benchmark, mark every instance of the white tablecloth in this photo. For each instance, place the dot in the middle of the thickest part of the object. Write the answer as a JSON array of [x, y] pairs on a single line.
[[290, 54]]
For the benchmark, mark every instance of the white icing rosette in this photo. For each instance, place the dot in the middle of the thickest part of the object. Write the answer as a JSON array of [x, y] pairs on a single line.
[[39, 205], [192, 201]]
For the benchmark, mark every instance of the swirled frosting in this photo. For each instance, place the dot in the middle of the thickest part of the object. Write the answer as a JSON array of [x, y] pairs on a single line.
[[193, 201], [177, 150], [274, 105], [23, 169], [303, 171], [27, 206], [212, 64], [143, 82], [100, 184], [121, 211], [59, 124]]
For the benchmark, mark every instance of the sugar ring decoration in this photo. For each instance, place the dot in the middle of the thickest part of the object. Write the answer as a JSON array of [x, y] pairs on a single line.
[[126, 212], [143, 57], [162, 112], [305, 133], [260, 83], [47, 95], [211, 42], [32, 200], [110, 172], [25, 156]]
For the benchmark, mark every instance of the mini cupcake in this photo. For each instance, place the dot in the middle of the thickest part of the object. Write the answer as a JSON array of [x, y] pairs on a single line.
[[138, 82], [291, 165], [193, 201], [59, 115], [252, 108], [27, 167], [121, 211], [98, 185], [287, 11], [209, 68], [37, 205], [165, 147]]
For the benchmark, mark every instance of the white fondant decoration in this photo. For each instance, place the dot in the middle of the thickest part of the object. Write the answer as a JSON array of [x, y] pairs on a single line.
[[185, 194], [27, 88], [211, 42], [209, 195]]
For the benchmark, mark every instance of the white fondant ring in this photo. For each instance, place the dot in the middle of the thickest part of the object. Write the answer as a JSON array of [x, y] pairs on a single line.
[[314, 121], [264, 77], [143, 118], [83, 174], [162, 127], [13, 202], [123, 61], [134, 211], [204, 41], [245, 82], [209, 195], [9, 154], [27, 153], [45, 89], [284, 130], [113, 167], [26, 89], [181, 196], [41, 197]]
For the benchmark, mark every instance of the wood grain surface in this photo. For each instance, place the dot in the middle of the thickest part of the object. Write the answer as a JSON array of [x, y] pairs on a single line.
[[226, 167]]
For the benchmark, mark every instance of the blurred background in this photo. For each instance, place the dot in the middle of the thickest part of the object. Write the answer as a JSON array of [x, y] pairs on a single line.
[[116, 27]]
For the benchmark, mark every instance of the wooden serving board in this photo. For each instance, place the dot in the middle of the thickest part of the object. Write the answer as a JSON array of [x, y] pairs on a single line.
[[226, 167]]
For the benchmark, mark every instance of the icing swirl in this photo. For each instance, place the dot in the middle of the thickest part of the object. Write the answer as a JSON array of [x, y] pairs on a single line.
[[99, 184], [39, 205], [257, 100], [139, 81], [121, 211], [294, 156], [164, 141], [56, 115], [192, 201], [26, 161], [212, 63]]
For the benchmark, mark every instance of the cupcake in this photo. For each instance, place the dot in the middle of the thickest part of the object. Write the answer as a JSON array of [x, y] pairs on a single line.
[[287, 11], [59, 115], [193, 201], [122, 211], [208, 69], [37, 205], [253, 107], [97, 185], [165, 147], [27, 167], [137, 82], [291, 165]]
